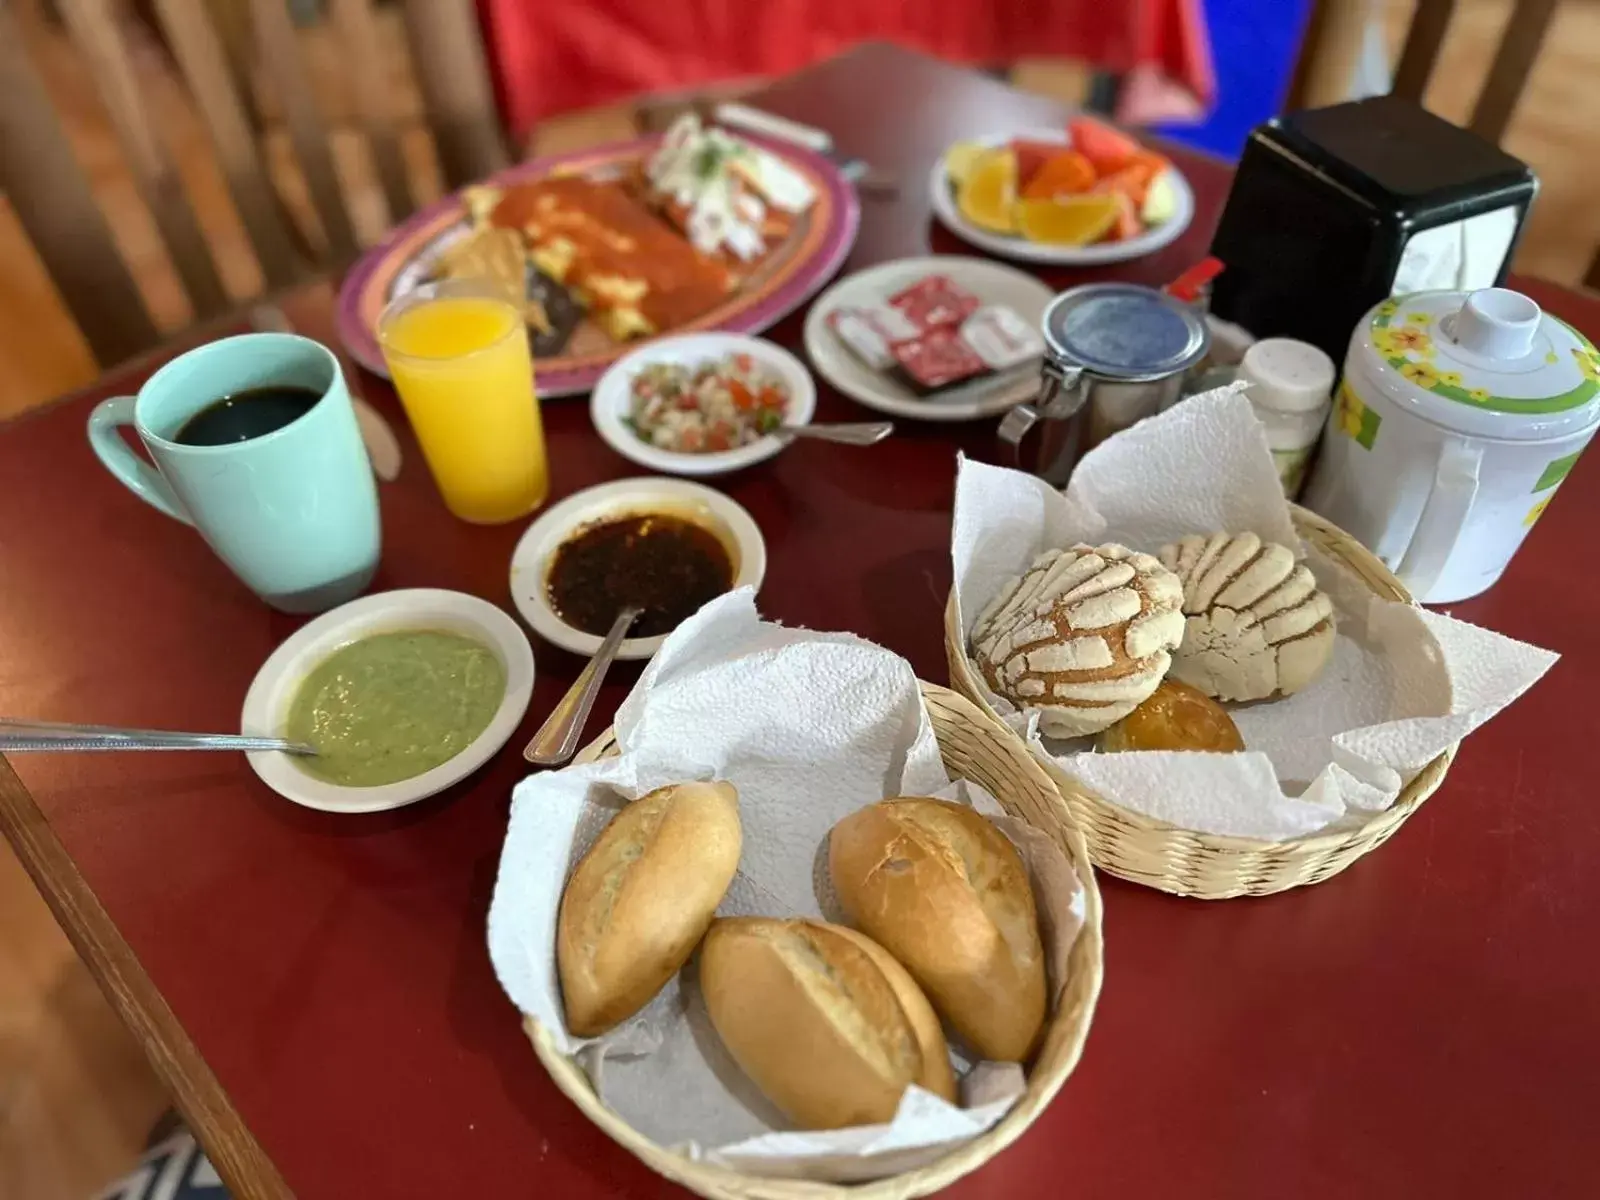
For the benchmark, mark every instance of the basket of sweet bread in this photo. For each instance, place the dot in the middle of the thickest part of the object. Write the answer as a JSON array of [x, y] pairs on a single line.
[[837, 939], [1232, 696]]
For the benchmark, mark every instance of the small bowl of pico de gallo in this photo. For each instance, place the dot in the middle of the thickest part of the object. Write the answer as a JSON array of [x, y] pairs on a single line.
[[702, 403]]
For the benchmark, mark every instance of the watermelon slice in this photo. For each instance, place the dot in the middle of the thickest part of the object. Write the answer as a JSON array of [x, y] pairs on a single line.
[[1104, 146], [1128, 224]]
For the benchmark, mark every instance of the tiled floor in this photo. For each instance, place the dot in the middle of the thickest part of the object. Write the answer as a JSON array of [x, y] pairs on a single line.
[[76, 1097]]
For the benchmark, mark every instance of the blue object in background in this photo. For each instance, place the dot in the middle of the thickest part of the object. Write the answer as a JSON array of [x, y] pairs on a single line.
[[1254, 44]]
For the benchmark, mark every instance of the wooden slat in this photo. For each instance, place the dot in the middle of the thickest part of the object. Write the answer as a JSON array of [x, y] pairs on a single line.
[[194, 43], [42, 178], [1329, 53], [1420, 54], [352, 20], [447, 56], [235, 1153], [1519, 47], [281, 50], [93, 27]]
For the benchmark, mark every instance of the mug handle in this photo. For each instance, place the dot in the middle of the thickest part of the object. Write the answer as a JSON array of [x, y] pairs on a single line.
[[1444, 516], [138, 476]]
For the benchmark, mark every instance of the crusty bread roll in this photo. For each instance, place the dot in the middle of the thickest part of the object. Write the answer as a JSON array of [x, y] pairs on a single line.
[[827, 1024], [1081, 637], [947, 894], [641, 898]]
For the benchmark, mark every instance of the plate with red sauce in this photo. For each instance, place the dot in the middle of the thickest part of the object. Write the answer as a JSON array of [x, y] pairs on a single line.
[[665, 545]]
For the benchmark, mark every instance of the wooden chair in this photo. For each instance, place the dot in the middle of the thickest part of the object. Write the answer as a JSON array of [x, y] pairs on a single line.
[[47, 186], [1333, 43]]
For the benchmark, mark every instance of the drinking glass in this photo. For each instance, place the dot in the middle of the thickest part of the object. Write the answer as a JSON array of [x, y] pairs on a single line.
[[458, 355]]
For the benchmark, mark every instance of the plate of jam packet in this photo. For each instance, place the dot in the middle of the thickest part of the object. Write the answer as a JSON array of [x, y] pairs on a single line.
[[931, 339]]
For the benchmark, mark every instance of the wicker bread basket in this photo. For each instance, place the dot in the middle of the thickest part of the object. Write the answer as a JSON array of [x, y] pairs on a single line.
[[973, 749], [1209, 866]]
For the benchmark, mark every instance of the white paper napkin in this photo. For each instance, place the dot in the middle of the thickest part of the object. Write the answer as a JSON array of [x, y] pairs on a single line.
[[809, 727], [1403, 683]]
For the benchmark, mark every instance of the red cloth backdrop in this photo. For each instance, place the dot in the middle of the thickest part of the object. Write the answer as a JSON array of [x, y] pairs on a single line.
[[553, 56]]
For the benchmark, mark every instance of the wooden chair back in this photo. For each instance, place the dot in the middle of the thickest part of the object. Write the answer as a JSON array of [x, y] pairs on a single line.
[[1333, 44], [1335, 35], [50, 192]]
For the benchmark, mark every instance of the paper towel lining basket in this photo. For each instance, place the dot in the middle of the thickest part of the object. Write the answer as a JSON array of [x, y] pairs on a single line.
[[994, 759], [1209, 866]]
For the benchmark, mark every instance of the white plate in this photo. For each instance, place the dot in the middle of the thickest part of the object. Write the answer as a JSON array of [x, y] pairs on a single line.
[[609, 405], [266, 705], [991, 282], [944, 207], [530, 563]]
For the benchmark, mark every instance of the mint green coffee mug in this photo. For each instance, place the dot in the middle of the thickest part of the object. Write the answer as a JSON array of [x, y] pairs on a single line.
[[293, 511]]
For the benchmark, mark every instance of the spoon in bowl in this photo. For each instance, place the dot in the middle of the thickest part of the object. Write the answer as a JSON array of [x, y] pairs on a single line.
[[557, 739], [845, 433], [19, 736]]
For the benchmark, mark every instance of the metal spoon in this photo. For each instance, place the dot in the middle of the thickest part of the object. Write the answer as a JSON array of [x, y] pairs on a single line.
[[20, 736], [846, 433], [557, 739]]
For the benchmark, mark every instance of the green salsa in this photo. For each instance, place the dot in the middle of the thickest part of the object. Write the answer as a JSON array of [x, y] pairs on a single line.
[[393, 705]]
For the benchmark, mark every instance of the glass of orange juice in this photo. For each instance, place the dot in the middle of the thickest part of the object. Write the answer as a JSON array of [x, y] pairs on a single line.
[[458, 355]]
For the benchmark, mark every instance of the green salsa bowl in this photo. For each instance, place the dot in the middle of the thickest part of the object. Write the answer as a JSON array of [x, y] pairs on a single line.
[[404, 693]]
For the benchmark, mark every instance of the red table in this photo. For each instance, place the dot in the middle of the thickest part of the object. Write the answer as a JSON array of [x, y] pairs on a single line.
[[317, 988]]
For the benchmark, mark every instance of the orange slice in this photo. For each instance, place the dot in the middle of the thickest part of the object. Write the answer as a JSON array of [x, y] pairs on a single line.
[[988, 196], [1069, 220], [961, 158], [1031, 156], [1064, 173]]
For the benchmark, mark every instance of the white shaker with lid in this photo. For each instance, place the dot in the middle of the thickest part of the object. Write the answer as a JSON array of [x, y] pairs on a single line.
[[1291, 388], [1458, 417]]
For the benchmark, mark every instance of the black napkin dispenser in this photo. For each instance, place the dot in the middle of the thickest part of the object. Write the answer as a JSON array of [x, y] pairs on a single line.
[[1335, 209]]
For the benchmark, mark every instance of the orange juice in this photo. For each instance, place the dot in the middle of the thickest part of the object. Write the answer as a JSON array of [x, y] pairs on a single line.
[[458, 355]]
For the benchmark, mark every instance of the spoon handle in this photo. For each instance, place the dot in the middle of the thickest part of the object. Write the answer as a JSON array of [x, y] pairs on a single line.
[[20, 736], [557, 739], [846, 433]]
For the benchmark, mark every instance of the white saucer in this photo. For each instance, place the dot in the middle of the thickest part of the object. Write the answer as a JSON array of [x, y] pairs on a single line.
[[610, 403], [944, 207], [530, 562], [266, 705], [991, 282]]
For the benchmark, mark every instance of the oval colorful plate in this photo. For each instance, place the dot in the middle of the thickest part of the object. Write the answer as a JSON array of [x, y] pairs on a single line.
[[788, 277]]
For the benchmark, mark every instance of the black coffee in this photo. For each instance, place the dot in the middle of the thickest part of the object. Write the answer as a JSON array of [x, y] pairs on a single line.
[[246, 415]]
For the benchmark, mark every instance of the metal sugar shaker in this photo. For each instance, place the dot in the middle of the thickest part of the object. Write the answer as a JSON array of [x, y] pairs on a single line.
[[1115, 353]]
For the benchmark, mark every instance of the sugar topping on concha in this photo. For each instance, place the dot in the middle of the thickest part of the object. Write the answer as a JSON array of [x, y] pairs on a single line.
[[1082, 637], [1256, 624]]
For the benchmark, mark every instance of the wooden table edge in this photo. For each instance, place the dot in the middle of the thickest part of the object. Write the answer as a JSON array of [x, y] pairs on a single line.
[[238, 1158]]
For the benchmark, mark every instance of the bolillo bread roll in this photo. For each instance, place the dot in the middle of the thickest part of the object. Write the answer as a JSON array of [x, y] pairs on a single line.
[[948, 895], [826, 1023], [641, 898]]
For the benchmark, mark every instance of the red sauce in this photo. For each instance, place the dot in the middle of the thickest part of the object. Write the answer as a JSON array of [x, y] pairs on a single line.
[[663, 564]]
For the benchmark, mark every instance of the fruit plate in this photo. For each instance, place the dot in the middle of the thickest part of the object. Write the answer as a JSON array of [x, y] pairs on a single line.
[[942, 193]]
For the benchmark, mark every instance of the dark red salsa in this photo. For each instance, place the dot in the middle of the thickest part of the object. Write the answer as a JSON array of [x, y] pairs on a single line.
[[664, 564]]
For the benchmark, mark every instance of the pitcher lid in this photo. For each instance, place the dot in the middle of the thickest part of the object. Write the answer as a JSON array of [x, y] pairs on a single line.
[[1124, 331], [1488, 362]]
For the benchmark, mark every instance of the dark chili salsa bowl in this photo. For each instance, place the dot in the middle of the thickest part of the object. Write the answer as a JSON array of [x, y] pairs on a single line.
[[664, 545]]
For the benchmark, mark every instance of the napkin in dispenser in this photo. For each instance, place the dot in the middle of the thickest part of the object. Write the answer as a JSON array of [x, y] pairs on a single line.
[[1334, 209]]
